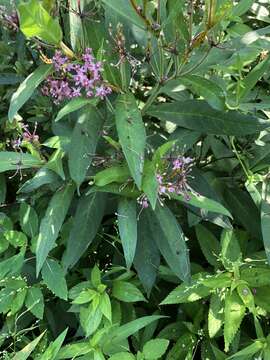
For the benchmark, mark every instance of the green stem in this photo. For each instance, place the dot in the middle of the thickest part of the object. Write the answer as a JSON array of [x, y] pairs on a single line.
[[238, 157], [151, 98], [197, 64]]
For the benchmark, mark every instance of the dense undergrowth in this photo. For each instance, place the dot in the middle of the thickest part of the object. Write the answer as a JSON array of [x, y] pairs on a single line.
[[134, 191]]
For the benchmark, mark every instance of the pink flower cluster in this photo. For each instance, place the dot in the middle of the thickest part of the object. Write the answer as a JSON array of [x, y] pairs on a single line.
[[173, 180], [74, 79]]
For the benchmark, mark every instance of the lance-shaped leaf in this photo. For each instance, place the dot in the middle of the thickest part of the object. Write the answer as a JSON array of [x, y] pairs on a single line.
[[150, 183], [231, 255], [36, 21], [265, 219], [234, 313], [15, 161], [215, 314], [132, 136], [54, 347], [170, 240], [84, 140], [27, 350], [87, 219], [52, 222], [26, 89], [54, 277], [198, 115], [127, 224], [71, 106]]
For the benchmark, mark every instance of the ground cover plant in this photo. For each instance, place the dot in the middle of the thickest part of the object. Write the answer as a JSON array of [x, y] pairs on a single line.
[[134, 179]]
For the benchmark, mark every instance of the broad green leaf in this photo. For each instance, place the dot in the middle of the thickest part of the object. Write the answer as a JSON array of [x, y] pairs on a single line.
[[202, 202], [84, 141], [127, 224], [76, 24], [55, 163], [265, 219], [248, 351], [16, 161], [170, 240], [10, 79], [161, 151], [105, 306], [54, 347], [54, 277], [248, 83], [208, 89], [35, 302], [188, 292], [215, 314], [184, 344], [126, 291], [198, 115], [96, 277], [71, 106], [125, 11], [87, 220], [28, 219], [36, 21], [231, 255], [209, 244], [256, 276], [155, 348], [85, 296], [12, 265], [27, 350], [52, 222], [234, 313], [26, 89], [15, 238], [147, 256], [126, 330], [150, 183], [247, 297], [18, 301], [74, 350], [90, 319], [44, 176], [132, 136], [118, 174], [3, 188], [122, 356]]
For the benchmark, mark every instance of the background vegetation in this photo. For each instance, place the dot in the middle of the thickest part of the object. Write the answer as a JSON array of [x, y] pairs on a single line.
[[134, 193]]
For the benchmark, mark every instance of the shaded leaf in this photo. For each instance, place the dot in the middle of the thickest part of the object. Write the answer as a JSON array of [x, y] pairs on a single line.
[[54, 277], [35, 302], [13, 161]]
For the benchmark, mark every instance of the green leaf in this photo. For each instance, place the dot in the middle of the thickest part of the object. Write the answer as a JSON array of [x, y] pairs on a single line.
[[26, 89], [248, 83], [36, 21], [15, 161], [74, 350], [54, 347], [126, 291], [52, 223], [27, 350], [71, 106], [132, 136], [265, 219], [118, 174], [126, 330], [54, 278], [170, 240], [35, 302], [84, 141], [248, 351], [3, 189], [184, 344], [16, 238], [85, 296], [105, 306], [125, 11], [234, 313], [202, 202], [150, 183], [87, 220], [198, 115], [215, 314], [209, 244], [12, 265], [28, 219], [154, 349], [256, 276], [55, 163], [188, 292], [231, 255], [90, 319], [208, 89], [127, 224], [96, 277], [122, 356], [76, 24], [147, 256], [42, 177]]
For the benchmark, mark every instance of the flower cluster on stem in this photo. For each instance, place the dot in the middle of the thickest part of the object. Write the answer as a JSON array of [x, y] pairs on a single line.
[[72, 79]]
